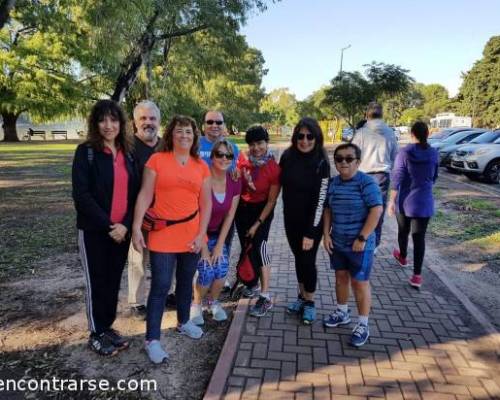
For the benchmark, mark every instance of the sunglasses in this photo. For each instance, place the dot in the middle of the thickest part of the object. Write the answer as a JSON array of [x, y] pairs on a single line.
[[309, 136], [211, 122], [220, 154], [348, 159]]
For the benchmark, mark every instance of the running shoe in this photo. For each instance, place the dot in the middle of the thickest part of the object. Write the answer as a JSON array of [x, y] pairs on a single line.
[[401, 261], [360, 335], [309, 313], [261, 308], [415, 281], [155, 352], [338, 317], [196, 313], [296, 306], [250, 292], [218, 312], [190, 329], [102, 345], [118, 340]]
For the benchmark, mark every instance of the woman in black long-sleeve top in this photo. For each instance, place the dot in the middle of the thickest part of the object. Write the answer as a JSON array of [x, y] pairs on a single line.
[[105, 186], [304, 178]]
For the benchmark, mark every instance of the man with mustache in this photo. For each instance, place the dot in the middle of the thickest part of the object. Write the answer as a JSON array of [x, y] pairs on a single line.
[[147, 125]]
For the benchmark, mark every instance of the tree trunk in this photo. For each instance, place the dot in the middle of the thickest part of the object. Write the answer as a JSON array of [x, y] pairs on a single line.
[[5, 8], [9, 127]]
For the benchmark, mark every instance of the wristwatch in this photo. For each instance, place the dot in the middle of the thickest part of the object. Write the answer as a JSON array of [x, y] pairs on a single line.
[[361, 238]]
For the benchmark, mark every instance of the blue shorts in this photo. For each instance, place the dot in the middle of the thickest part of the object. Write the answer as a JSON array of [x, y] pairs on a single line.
[[209, 273], [358, 263]]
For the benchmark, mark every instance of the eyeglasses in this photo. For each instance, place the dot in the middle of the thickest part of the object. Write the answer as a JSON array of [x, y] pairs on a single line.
[[220, 154], [348, 159], [211, 122], [309, 136]]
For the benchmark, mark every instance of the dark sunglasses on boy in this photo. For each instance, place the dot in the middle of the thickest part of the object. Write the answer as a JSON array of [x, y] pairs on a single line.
[[309, 136], [220, 154], [348, 159], [211, 122]]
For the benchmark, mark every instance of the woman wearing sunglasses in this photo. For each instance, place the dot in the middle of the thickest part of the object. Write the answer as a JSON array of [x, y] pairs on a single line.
[[177, 183], [214, 263], [304, 177], [259, 193]]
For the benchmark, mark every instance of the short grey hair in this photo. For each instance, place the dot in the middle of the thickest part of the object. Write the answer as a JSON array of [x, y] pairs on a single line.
[[147, 104]]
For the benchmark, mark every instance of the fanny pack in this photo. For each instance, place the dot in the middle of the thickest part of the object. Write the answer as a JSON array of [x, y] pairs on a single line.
[[153, 222]]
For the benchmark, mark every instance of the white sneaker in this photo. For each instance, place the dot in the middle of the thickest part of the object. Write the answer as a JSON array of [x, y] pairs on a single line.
[[191, 330], [218, 312], [155, 352], [196, 314]]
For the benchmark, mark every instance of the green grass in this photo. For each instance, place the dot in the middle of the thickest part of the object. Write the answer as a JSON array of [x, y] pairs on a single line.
[[37, 219]]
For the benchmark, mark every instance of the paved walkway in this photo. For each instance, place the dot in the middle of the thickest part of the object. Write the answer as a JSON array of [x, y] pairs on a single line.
[[423, 345]]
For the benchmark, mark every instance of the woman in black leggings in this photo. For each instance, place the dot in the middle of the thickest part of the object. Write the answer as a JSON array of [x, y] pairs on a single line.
[[415, 171], [304, 177]]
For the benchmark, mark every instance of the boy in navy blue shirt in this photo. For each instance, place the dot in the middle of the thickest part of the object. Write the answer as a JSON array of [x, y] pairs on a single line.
[[352, 211]]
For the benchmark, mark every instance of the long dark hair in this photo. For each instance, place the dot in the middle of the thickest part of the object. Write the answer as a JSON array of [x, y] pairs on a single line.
[[421, 132], [313, 127], [100, 110], [168, 136]]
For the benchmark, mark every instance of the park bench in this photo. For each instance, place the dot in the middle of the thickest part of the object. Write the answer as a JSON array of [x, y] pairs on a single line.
[[61, 133], [32, 133]]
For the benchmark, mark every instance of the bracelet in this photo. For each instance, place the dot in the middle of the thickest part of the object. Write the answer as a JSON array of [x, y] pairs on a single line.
[[259, 221]]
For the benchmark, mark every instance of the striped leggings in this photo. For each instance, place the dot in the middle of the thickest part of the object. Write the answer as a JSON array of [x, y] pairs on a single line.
[[102, 260], [246, 215]]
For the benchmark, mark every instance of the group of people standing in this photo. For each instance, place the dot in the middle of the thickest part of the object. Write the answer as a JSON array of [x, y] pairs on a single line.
[[174, 203]]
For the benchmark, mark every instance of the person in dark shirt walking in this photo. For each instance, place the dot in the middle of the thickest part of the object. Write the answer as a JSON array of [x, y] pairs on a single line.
[[415, 171], [305, 171], [105, 185]]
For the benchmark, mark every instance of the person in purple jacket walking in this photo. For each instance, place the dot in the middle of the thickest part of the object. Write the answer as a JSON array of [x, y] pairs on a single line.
[[414, 173]]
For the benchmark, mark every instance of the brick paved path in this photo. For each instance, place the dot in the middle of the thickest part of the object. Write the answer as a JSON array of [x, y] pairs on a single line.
[[423, 344]]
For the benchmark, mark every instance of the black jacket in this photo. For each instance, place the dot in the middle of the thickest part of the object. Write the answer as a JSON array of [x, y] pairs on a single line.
[[93, 179]]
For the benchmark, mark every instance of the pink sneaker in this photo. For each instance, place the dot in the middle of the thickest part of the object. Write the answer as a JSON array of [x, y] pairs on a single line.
[[415, 281], [397, 255]]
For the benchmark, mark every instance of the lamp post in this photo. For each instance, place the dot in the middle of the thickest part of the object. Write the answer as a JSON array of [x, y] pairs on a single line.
[[342, 57]]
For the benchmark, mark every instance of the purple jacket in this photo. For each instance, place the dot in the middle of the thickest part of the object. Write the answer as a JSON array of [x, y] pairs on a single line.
[[415, 171]]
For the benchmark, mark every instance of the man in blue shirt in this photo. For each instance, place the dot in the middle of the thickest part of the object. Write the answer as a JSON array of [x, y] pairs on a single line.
[[213, 129], [352, 211]]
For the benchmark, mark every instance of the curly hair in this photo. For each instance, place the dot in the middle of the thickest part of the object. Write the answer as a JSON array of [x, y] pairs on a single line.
[[99, 111], [168, 135]]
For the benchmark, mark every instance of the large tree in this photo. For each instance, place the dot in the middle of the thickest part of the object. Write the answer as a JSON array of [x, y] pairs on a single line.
[[350, 92], [37, 70], [280, 107], [479, 94]]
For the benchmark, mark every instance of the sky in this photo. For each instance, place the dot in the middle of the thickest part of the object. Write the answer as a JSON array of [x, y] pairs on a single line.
[[301, 40]]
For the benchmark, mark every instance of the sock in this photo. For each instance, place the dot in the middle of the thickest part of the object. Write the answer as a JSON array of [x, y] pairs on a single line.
[[343, 308], [309, 303], [265, 295], [363, 319]]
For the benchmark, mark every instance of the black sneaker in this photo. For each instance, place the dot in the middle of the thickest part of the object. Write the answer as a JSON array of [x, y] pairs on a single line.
[[102, 345], [139, 311], [117, 340], [171, 301]]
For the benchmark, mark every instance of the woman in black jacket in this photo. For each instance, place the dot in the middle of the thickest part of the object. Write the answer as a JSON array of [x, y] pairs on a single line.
[[105, 186], [305, 171]]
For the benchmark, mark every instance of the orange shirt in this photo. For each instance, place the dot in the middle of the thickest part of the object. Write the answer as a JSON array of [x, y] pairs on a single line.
[[177, 194]]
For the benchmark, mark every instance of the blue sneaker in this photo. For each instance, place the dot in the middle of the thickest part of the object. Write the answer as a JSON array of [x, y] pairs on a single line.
[[337, 318], [190, 329], [360, 335], [309, 314], [296, 306]]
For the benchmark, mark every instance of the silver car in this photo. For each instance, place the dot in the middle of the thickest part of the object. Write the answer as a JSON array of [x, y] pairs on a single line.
[[447, 146], [479, 159]]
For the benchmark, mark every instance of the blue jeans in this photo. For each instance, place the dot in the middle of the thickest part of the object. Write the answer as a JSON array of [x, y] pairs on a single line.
[[162, 266], [383, 179]]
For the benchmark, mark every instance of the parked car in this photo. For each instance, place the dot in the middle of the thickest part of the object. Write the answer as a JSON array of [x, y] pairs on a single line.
[[445, 133], [479, 158], [447, 146]]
